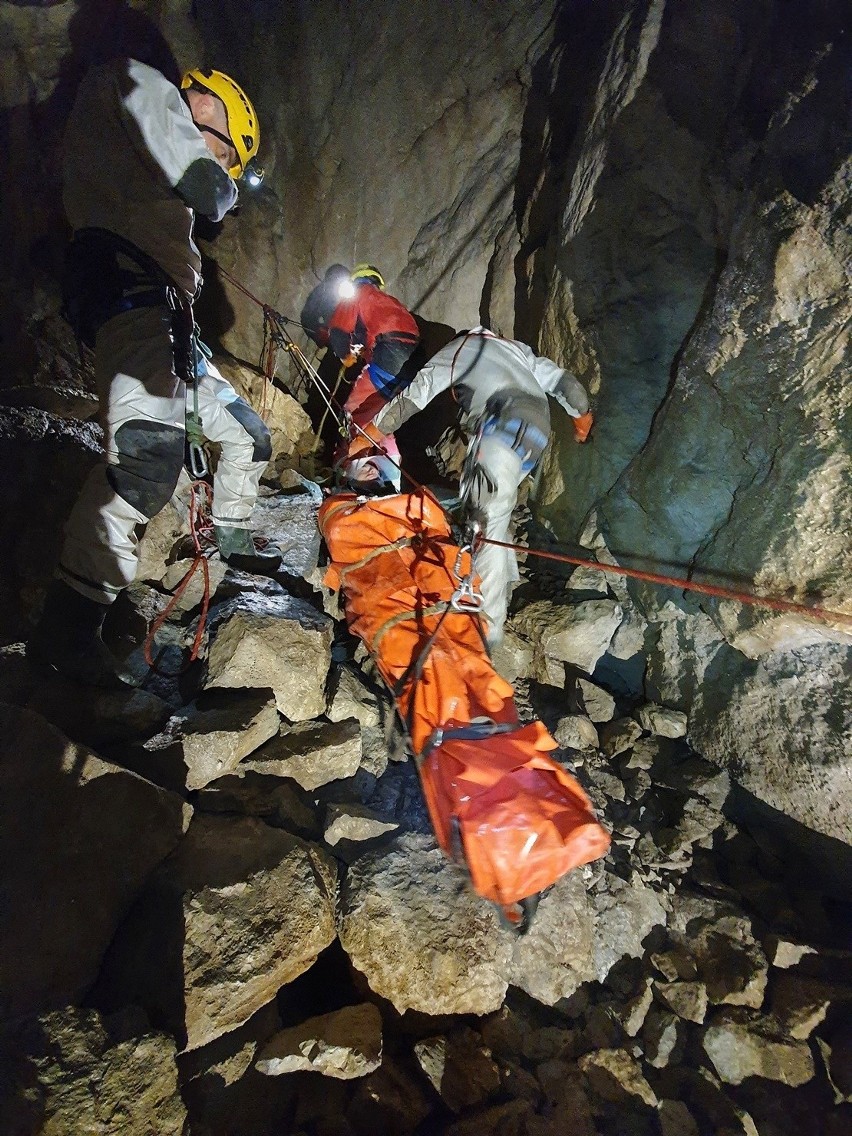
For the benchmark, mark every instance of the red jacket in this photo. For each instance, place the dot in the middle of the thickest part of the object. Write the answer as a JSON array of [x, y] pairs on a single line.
[[378, 324]]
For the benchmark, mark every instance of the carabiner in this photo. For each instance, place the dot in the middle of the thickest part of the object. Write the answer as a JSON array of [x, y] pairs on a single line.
[[197, 461]]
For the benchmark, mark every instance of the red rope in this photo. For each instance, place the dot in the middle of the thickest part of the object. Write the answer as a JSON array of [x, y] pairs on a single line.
[[197, 526], [773, 602]]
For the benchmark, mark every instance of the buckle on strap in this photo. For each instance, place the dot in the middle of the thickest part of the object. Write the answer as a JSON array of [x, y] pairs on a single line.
[[472, 732]]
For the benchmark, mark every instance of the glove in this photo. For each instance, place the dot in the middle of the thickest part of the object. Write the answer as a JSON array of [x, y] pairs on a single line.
[[391, 417], [583, 426]]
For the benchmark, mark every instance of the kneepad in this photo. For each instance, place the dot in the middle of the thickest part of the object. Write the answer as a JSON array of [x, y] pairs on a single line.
[[150, 457], [254, 426]]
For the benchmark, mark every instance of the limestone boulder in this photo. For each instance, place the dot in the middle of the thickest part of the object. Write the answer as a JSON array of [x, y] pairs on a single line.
[[799, 1004], [662, 720], [576, 731], [740, 1048], [310, 753], [392, 1099], [79, 839], [272, 642], [619, 735], [279, 801], [513, 657], [728, 959], [459, 1067], [344, 1044], [663, 1038], [578, 634], [625, 914], [76, 1072], [421, 939], [353, 699], [354, 823], [616, 1076], [240, 910], [221, 728], [556, 956], [598, 704], [676, 1119], [686, 999], [193, 594]]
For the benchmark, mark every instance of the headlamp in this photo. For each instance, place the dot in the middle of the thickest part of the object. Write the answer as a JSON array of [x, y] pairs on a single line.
[[346, 289], [253, 174]]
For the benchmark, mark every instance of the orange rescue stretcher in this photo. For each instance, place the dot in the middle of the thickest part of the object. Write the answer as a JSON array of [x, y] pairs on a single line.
[[498, 803]]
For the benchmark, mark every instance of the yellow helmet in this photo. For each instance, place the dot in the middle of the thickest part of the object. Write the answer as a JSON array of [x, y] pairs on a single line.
[[367, 274], [243, 127]]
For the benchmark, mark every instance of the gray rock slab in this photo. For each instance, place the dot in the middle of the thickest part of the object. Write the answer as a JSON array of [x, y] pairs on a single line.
[[576, 731], [344, 1044], [278, 800], [353, 699], [598, 703], [686, 999], [740, 1049], [783, 725], [352, 822], [420, 937], [240, 910], [272, 642], [556, 956], [578, 634], [460, 1068], [619, 735], [311, 753], [663, 721], [222, 728], [626, 913], [615, 1075], [193, 594]]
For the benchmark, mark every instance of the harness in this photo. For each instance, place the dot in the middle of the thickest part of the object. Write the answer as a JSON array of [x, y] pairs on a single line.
[[106, 275]]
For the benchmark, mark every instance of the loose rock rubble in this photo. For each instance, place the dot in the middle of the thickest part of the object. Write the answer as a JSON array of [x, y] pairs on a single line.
[[671, 982]]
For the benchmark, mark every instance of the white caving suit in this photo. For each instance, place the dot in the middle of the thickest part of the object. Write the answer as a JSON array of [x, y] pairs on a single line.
[[137, 167], [502, 388]]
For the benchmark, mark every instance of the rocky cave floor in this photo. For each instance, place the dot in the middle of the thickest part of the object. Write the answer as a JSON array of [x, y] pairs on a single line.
[[229, 915]]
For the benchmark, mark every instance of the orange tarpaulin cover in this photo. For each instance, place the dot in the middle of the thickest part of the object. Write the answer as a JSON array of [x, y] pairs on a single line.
[[519, 819]]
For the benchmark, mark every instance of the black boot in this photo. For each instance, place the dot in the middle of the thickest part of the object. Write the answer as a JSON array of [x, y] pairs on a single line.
[[67, 639], [238, 548]]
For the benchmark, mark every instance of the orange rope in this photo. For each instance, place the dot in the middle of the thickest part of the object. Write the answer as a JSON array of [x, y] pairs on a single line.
[[196, 527], [773, 602]]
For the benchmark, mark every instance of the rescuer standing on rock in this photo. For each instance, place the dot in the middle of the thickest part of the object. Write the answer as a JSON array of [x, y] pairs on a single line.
[[501, 388], [140, 159], [353, 315]]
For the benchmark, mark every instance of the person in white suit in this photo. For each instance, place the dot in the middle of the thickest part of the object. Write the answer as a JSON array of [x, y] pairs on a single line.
[[501, 388], [141, 157]]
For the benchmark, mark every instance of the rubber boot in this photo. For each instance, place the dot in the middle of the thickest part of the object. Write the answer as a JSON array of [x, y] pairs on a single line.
[[238, 548], [67, 640]]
